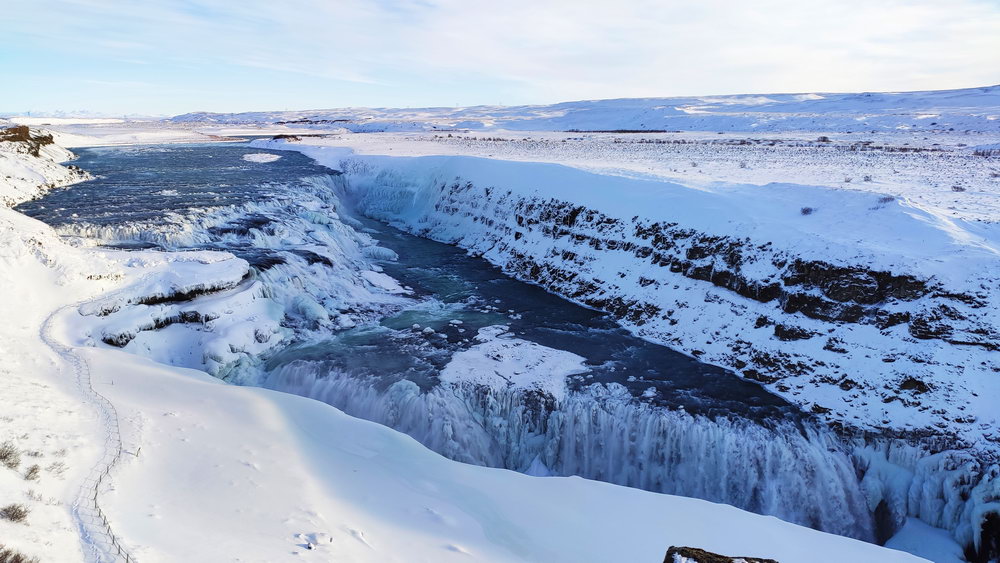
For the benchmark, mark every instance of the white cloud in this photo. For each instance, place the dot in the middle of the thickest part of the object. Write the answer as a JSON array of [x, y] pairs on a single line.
[[550, 50], [652, 48]]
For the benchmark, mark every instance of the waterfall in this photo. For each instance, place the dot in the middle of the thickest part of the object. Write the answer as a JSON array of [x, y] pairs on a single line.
[[796, 472]]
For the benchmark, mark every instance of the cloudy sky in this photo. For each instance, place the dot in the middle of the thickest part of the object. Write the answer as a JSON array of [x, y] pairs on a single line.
[[174, 56]]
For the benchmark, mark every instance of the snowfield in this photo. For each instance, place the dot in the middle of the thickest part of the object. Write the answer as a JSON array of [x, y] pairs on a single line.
[[971, 109], [199, 470]]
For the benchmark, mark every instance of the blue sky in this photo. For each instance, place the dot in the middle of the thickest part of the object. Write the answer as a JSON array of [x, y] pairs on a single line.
[[168, 57]]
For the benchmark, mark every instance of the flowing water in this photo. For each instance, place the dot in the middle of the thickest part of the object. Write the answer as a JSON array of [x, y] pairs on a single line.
[[640, 415]]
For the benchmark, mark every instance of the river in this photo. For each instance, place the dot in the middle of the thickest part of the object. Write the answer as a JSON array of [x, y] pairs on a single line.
[[636, 413]]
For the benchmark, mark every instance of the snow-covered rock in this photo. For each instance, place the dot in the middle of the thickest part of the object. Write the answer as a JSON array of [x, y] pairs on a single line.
[[30, 165], [502, 362]]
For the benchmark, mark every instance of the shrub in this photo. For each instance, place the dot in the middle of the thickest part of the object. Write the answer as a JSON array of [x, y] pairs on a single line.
[[807, 210], [57, 468], [33, 473], [823, 139], [10, 455], [14, 512], [957, 188], [9, 555]]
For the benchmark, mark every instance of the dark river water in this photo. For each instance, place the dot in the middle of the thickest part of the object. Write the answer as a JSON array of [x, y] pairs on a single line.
[[163, 183]]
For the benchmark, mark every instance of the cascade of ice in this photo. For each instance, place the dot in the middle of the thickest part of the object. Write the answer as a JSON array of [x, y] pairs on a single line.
[[797, 473]]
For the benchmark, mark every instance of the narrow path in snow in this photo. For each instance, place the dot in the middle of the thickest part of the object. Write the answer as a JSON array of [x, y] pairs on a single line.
[[100, 543]]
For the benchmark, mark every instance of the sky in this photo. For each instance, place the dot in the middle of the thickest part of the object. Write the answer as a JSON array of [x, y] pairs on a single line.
[[165, 57]]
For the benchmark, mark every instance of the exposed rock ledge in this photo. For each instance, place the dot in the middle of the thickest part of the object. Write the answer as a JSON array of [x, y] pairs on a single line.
[[29, 165]]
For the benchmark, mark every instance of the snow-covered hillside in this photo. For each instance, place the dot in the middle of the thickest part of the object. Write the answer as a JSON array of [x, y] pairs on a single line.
[[972, 109], [29, 165], [187, 468]]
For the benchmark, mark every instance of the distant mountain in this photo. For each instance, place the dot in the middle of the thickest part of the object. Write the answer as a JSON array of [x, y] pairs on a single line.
[[969, 109]]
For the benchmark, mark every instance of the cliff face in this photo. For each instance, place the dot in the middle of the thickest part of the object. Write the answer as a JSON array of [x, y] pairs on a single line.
[[883, 341], [29, 165]]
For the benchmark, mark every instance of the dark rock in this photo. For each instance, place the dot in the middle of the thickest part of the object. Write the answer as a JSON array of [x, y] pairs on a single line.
[[914, 384], [22, 134], [755, 375], [858, 287], [696, 555], [788, 333], [312, 258], [989, 541], [835, 345], [927, 326]]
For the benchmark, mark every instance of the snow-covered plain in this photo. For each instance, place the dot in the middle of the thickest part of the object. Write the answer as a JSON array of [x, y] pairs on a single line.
[[971, 109], [216, 472], [97, 132]]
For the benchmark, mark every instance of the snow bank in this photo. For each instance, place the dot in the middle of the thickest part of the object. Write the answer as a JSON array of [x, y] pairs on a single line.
[[314, 473], [42, 415]]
